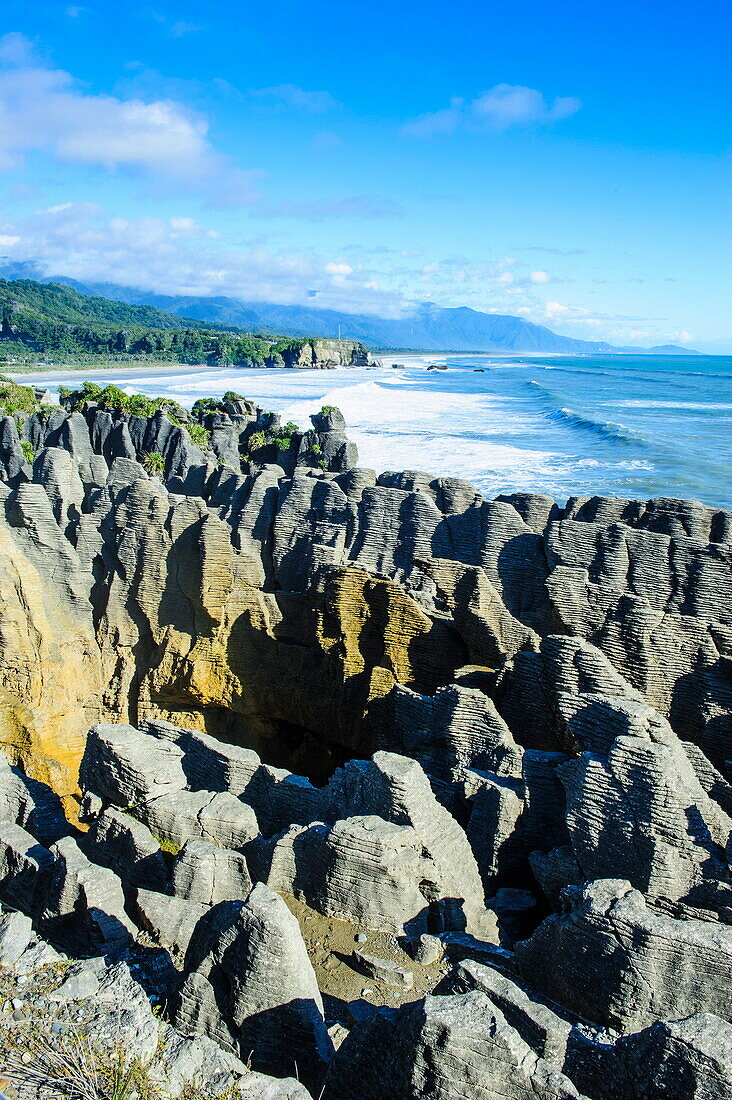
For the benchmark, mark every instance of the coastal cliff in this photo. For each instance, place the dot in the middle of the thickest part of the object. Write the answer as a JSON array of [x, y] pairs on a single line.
[[388, 699]]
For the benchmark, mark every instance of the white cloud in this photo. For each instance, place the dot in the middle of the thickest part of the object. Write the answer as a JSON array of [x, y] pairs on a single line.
[[44, 110], [503, 106], [299, 99], [181, 28], [181, 256], [540, 277]]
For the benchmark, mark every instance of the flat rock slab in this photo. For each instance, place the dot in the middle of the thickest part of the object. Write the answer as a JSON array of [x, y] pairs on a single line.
[[384, 970]]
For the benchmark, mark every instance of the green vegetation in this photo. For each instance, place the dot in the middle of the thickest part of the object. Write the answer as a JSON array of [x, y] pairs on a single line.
[[285, 436], [28, 453], [257, 440], [56, 323], [168, 846], [206, 405], [153, 463], [116, 400], [326, 410], [199, 435], [15, 398], [230, 396]]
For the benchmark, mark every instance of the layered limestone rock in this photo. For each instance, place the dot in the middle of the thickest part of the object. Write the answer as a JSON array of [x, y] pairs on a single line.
[[248, 987], [614, 961], [357, 596], [249, 984], [451, 1047], [501, 726]]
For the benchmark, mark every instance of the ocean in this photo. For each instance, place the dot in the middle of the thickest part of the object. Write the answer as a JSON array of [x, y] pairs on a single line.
[[622, 425]]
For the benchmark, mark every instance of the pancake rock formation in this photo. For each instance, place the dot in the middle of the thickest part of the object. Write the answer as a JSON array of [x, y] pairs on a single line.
[[380, 788]]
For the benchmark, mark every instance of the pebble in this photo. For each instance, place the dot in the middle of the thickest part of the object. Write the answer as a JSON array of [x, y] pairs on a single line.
[[361, 937], [19, 1016], [17, 1002], [21, 979], [366, 992]]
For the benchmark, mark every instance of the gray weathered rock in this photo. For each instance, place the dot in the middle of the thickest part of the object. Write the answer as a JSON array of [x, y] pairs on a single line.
[[116, 840], [83, 904], [541, 1027], [218, 817], [612, 960], [428, 949], [171, 921], [125, 768], [397, 790], [24, 865], [16, 933], [689, 1059], [207, 874], [459, 1047], [384, 970], [250, 986]]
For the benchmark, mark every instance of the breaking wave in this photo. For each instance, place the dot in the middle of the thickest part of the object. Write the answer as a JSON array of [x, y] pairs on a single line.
[[603, 429]]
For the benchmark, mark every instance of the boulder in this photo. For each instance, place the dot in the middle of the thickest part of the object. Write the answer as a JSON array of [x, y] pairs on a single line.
[[207, 874], [83, 907], [614, 961], [250, 986], [24, 865], [126, 767], [459, 1047], [116, 840]]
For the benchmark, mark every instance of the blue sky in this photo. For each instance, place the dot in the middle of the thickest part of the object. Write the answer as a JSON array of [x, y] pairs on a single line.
[[569, 163]]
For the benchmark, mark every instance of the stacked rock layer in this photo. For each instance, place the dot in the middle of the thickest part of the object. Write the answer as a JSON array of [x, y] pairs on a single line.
[[498, 730]]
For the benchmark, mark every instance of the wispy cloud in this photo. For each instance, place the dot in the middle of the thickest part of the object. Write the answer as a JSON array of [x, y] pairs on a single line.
[[177, 27], [502, 107], [299, 99], [181, 256], [362, 207]]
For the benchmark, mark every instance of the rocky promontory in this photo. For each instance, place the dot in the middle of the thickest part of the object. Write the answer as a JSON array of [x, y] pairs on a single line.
[[378, 788]]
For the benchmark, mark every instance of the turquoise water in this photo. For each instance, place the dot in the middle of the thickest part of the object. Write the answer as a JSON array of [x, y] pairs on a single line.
[[632, 426]]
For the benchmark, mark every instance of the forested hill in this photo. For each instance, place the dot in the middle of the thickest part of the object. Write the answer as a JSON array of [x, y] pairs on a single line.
[[55, 323]]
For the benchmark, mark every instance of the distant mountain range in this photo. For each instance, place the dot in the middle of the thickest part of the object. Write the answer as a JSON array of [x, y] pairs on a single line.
[[429, 328]]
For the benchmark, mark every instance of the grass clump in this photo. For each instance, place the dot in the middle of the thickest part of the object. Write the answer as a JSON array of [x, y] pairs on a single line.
[[154, 463], [257, 440], [199, 435], [72, 1066]]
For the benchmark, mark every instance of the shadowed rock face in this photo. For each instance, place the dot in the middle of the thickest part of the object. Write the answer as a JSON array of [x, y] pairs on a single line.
[[393, 700]]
